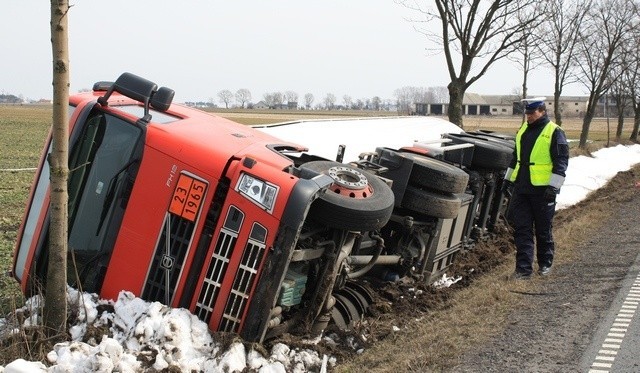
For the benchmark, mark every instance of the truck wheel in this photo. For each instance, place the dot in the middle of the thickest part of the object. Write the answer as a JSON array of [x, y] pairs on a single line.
[[506, 141], [486, 154], [436, 175], [496, 135], [432, 204], [357, 200]]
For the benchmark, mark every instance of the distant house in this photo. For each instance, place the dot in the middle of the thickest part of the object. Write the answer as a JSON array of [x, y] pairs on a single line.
[[260, 105]]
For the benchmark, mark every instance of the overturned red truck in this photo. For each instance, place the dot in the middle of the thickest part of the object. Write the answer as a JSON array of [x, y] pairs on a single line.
[[251, 233]]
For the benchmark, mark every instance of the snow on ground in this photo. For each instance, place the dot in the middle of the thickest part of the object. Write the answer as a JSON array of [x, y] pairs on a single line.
[[147, 335], [586, 174], [164, 337]]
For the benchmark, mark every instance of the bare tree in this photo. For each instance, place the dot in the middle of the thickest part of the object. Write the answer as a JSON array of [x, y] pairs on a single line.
[[243, 96], [376, 102], [278, 99], [269, 99], [619, 95], [55, 306], [439, 94], [404, 97], [291, 96], [308, 100], [474, 33], [559, 35], [348, 101], [225, 96], [601, 39], [631, 75], [527, 57], [329, 101]]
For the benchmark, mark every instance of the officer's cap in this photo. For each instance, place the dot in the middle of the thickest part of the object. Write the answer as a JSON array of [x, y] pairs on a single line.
[[533, 104]]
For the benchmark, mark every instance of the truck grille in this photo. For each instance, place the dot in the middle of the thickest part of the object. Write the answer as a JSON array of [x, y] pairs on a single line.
[[245, 277], [168, 259], [219, 264]]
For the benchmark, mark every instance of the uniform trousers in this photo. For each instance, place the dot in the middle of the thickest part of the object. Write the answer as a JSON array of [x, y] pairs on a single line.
[[529, 213]]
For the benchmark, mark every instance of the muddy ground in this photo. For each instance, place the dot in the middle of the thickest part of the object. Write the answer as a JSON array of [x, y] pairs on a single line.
[[544, 325]]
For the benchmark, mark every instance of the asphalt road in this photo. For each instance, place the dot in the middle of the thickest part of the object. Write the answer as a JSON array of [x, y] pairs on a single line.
[[583, 317], [616, 343]]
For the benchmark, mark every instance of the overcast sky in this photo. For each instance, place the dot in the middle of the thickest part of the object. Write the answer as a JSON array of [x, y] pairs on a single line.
[[360, 48]]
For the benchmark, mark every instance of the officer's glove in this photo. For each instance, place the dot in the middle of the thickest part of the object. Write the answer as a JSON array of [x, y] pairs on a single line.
[[550, 193], [507, 188]]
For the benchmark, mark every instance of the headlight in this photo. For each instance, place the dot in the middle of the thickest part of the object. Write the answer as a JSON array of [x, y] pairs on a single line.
[[258, 191]]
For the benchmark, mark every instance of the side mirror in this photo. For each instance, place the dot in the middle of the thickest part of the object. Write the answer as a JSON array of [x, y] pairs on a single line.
[[162, 98]]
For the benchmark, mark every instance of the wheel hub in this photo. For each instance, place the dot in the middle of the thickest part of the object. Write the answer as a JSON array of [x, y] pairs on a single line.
[[349, 182]]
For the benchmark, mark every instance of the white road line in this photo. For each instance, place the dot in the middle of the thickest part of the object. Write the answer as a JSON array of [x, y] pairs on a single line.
[[618, 329], [605, 358], [608, 352], [624, 318], [601, 365]]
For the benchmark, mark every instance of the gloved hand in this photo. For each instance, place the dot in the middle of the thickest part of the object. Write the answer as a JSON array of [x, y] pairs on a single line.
[[507, 188], [550, 193]]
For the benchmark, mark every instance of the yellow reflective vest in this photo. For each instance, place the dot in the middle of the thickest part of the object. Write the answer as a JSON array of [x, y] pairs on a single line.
[[540, 163]]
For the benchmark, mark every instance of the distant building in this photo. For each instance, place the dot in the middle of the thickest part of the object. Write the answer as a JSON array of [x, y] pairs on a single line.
[[477, 104], [260, 105]]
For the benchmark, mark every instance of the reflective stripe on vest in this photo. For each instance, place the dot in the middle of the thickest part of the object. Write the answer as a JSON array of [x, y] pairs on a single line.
[[540, 159]]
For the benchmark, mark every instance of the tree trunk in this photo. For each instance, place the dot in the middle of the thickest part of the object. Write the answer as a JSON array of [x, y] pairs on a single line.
[[586, 123], [456, 94], [620, 125], [636, 125], [557, 110], [55, 308]]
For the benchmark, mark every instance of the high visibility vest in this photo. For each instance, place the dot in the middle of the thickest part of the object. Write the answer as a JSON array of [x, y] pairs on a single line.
[[540, 163]]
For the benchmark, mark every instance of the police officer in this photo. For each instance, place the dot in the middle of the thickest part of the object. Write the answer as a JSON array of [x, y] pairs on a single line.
[[534, 177]]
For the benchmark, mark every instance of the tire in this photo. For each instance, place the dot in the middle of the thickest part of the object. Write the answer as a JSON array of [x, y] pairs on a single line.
[[486, 153], [502, 140], [432, 204], [436, 175], [494, 134], [356, 201]]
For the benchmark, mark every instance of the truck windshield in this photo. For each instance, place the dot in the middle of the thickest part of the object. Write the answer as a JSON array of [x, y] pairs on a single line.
[[102, 165]]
